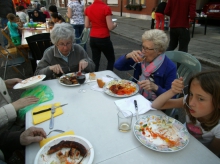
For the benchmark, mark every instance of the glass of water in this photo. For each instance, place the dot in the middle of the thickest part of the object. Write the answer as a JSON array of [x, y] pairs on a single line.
[[124, 120]]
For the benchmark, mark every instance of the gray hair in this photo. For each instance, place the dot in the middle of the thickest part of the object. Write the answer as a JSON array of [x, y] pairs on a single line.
[[62, 31], [43, 8], [158, 37]]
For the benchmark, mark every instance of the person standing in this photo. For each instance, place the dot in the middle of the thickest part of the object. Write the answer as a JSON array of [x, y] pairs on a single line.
[[153, 18], [98, 17], [180, 12], [6, 6], [75, 12], [159, 14]]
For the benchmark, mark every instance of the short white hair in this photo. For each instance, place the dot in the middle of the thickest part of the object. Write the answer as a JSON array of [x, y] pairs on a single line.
[[158, 37], [62, 31]]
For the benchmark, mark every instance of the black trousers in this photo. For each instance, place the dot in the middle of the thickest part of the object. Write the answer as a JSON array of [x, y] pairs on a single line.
[[99, 45], [152, 23], [179, 36]]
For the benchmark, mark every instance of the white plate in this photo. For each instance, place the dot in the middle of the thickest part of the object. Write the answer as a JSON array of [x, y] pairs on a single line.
[[113, 20], [163, 126], [30, 82], [108, 85], [72, 85], [43, 158]]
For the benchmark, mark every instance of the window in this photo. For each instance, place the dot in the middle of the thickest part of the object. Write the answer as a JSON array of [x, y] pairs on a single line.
[[136, 2], [112, 2]]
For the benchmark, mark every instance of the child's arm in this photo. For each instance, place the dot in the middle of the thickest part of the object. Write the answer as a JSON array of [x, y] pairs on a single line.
[[6, 28], [164, 101], [214, 146]]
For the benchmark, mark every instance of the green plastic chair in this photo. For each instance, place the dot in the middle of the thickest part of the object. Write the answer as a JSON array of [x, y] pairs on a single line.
[[84, 37], [187, 65]]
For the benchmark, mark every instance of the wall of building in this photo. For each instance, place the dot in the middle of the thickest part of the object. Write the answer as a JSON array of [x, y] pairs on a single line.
[[145, 13]]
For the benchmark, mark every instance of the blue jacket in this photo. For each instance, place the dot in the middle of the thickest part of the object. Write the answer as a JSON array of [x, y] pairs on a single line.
[[163, 77]]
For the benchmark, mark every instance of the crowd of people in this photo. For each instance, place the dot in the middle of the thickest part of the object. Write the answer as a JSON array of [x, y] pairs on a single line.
[[154, 72]]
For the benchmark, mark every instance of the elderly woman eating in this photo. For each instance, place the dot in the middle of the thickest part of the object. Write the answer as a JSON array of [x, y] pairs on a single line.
[[64, 56], [154, 71]]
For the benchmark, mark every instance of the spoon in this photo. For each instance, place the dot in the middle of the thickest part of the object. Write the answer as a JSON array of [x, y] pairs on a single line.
[[56, 130]]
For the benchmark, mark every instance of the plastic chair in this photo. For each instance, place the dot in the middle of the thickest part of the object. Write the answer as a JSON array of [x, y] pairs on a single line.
[[38, 44], [187, 65], [84, 37], [10, 60]]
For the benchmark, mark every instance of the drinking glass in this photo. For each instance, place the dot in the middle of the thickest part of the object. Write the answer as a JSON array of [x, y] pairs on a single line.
[[142, 57], [124, 120], [81, 79]]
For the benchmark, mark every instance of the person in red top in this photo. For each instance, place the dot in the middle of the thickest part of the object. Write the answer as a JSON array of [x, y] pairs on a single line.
[[98, 17], [180, 12]]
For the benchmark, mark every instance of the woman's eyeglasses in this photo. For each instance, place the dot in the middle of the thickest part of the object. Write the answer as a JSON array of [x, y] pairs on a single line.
[[63, 45], [146, 48]]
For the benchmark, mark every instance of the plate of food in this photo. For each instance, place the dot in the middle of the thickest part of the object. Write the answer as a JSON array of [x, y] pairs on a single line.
[[121, 88], [69, 80], [161, 133], [66, 149], [29, 82]]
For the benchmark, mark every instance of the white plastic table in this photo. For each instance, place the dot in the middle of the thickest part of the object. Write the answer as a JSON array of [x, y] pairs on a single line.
[[93, 115]]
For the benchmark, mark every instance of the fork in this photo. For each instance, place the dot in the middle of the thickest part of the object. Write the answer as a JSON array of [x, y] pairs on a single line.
[[52, 117], [111, 77], [55, 130]]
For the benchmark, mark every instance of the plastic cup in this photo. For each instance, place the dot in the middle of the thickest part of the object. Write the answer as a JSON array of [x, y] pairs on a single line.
[[124, 121]]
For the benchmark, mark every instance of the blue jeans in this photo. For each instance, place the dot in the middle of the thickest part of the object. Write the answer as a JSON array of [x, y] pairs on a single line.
[[78, 30], [4, 22]]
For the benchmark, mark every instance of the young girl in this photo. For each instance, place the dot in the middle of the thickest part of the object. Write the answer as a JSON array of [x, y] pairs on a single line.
[[202, 105], [13, 29], [57, 18], [153, 18]]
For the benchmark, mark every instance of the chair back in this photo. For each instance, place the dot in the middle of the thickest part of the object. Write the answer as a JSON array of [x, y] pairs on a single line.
[[84, 37], [187, 65], [7, 37], [38, 44]]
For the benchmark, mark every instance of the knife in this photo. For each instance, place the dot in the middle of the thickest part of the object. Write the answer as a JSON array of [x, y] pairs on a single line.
[[136, 108], [45, 110]]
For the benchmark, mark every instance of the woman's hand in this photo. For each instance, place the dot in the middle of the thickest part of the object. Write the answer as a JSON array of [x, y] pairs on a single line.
[[135, 55], [23, 102], [10, 83], [177, 86], [56, 69], [82, 64], [32, 134], [148, 85]]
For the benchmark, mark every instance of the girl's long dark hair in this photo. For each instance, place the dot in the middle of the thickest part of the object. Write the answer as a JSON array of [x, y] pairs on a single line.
[[79, 1], [58, 16], [209, 82]]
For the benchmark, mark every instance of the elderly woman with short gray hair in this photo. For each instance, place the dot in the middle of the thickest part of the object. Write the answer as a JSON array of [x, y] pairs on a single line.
[[64, 56], [154, 71]]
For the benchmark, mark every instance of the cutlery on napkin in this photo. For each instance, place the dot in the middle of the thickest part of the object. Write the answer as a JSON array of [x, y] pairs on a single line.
[[49, 109], [44, 141], [144, 105], [38, 118]]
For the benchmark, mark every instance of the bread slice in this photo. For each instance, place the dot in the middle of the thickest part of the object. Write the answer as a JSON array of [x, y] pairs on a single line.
[[92, 76], [100, 83]]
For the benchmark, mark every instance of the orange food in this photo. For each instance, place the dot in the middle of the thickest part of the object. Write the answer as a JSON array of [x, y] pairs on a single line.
[[122, 90], [100, 83]]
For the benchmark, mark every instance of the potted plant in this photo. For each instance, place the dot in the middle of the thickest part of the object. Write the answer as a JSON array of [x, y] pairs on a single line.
[[133, 7], [128, 6], [139, 7]]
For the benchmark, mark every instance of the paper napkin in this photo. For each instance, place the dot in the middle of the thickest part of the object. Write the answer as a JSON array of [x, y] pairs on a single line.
[[38, 118], [44, 141], [96, 87], [143, 104]]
